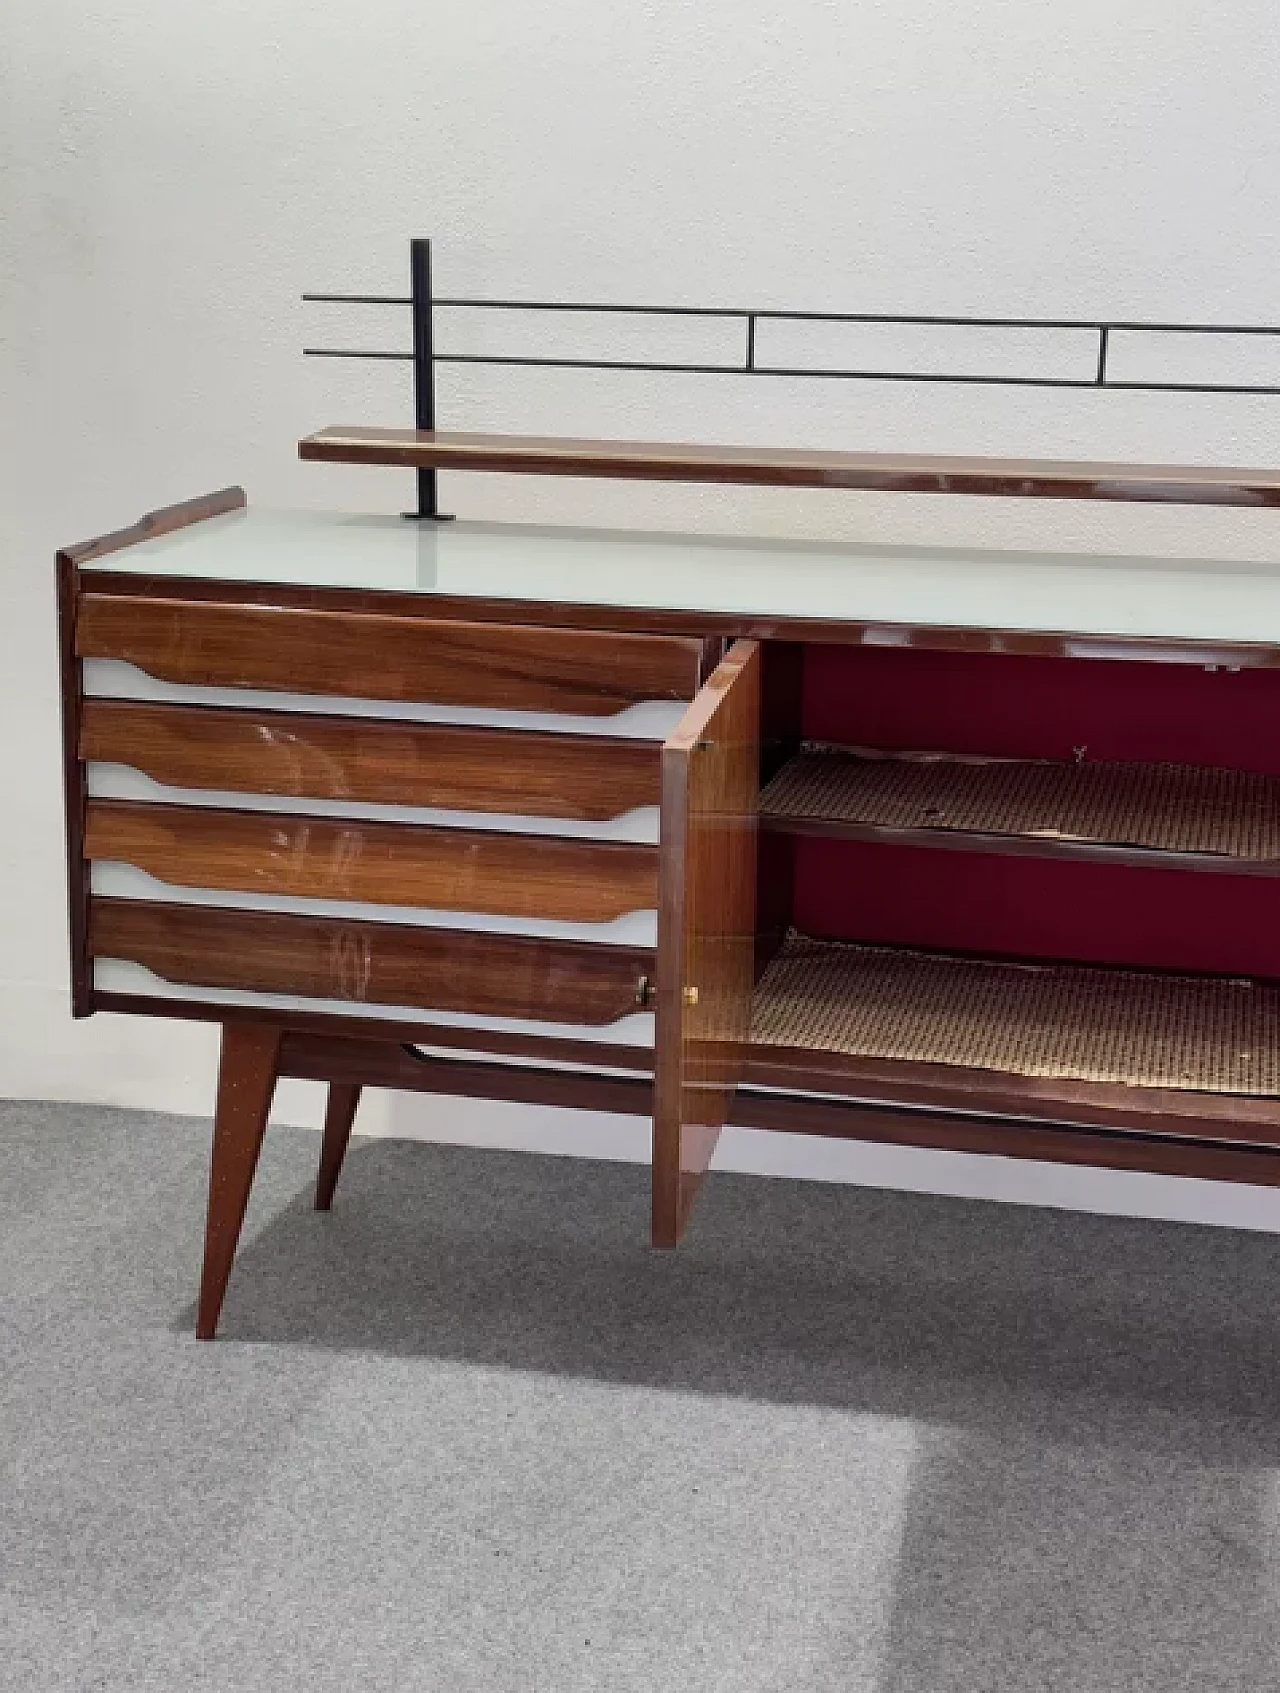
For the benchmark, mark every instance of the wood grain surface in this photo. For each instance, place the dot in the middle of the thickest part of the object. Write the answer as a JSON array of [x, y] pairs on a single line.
[[156, 523], [246, 1082], [372, 964], [369, 656], [578, 881], [339, 1120], [1050, 1142], [71, 688], [680, 620], [954, 1088], [706, 929], [451, 766], [428, 1032], [74, 790], [670, 461]]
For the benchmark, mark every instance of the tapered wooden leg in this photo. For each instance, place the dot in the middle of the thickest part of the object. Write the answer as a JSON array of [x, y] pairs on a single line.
[[339, 1115], [246, 1082]]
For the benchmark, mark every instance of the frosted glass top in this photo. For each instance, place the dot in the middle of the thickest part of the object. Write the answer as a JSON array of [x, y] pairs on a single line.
[[1164, 599]]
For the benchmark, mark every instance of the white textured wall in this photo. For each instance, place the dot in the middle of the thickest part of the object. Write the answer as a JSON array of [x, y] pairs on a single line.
[[175, 174]]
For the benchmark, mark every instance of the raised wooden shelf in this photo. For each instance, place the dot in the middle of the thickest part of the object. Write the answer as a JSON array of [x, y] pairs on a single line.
[[1192, 815], [533, 455], [1082, 1043]]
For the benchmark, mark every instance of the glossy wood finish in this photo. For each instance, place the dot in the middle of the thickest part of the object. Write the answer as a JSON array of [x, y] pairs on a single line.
[[339, 1119], [381, 1064], [1054, 1143], [451, 766], [706, 929], [514, 875], [246, 1082], [528, 654], [74, 791], [369, 656], [71, 687], [795, 467], [373, 963], [156, 523], [1172, 1114], [950, 1088], [724, 625]]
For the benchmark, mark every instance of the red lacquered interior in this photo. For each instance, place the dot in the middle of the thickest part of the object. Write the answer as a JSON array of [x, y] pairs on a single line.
[[1011, 706], [1015, 707]]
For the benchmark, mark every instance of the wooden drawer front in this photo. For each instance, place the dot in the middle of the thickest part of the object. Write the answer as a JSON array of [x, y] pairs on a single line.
[[368, 656], [513, 875], [373, 963], [448, 766]]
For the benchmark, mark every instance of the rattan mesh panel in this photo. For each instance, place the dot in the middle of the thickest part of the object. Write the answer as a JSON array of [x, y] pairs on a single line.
[[1166, 807], [1064, 1021]]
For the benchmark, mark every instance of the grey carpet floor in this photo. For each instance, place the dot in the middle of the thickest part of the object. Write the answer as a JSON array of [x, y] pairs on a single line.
[[468, 1432]]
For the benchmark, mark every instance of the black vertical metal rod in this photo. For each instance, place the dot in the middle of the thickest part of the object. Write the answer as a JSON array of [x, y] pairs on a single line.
[[1104, 338], [424, 376]]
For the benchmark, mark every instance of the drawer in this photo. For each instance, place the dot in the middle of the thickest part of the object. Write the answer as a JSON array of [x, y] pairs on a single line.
[[590, 778], [542, 876], [374, 964], [371, 656]]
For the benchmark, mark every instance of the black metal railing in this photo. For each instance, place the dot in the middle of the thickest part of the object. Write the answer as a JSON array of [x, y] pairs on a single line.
[[424, 355]]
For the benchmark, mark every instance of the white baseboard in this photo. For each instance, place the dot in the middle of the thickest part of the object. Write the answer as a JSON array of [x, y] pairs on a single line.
[[170, 1065]]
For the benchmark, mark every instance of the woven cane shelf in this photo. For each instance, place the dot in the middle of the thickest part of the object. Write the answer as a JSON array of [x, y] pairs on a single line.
[[1067, 1022], [1225, 819]]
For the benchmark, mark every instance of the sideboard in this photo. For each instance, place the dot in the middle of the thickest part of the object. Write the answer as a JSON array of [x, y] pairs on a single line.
[[956, 849]]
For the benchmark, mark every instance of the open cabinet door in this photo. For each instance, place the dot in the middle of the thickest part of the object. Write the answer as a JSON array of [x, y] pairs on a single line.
[[706, 929]]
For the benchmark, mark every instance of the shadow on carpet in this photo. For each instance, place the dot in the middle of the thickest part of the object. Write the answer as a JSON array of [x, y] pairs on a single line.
[[469, 1431]]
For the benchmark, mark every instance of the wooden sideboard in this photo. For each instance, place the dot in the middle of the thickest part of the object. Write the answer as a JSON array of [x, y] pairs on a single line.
[[977, 851]]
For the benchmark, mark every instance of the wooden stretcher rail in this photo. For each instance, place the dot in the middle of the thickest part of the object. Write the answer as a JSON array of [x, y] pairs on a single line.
[[380, 1064], [532, 455]]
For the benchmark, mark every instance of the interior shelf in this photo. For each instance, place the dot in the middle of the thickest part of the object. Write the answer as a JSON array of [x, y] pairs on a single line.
[[1224, 819], [1080, 1023]]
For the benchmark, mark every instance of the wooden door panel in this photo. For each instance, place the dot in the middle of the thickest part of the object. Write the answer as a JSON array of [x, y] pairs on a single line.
[[706, 929]]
